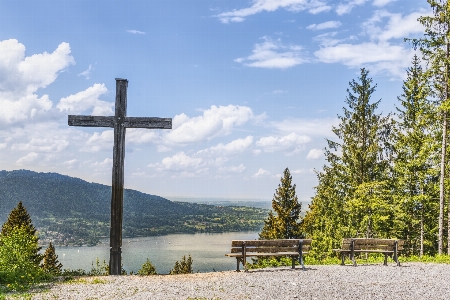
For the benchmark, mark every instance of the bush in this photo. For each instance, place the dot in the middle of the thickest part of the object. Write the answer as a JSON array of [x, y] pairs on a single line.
[[147, 269], [183, 267], [99, 270], [18, 267]]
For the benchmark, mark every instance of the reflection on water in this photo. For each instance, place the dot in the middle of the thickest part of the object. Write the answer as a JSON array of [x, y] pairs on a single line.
[[206, 249]]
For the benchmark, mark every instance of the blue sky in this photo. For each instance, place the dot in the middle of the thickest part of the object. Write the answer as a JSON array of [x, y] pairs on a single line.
[[253, 87]]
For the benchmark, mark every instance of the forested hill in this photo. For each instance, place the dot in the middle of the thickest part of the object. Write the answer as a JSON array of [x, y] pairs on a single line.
[[69, 210]]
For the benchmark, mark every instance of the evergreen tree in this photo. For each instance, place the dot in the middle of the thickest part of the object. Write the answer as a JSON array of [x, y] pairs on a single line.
[[50, 263], [286, 223], [435, 47], [20, 219], [182, 267], [415, 175], [353, 194], [148, 269]]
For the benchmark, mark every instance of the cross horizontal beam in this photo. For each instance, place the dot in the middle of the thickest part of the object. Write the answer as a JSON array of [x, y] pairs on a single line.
[[129, 122]]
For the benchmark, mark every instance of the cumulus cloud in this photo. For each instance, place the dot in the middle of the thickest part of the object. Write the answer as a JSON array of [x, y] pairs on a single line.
[[261, 172], [273, 55], [232, 169], [216, 121], [46, 144], [291, 143], [21, 77], [27, 159], [378, 57], [325, 25], [99, 141], [382, 2], [378, 54], [234, 147], [314, 7], [87, 99], [345, 8], [314, 154], [179, 162]]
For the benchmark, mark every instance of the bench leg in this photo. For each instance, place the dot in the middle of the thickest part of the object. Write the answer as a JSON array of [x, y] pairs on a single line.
[[237, 266], [385, 259], [353, 259], [343, 259]]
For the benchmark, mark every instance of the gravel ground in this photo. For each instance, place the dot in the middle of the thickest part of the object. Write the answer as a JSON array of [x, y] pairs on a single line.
[[410, 281]]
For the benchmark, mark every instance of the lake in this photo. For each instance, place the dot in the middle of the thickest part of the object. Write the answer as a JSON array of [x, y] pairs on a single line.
[[206, 249]]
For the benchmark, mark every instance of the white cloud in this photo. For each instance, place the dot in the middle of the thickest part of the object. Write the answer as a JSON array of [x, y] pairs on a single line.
[[216, 121], [325, 25], [135, 31], [27, 159], [99, 141], [87, 99], [398, 26], [382, 2], [179, 162], [314, 154], [291, 143], [87, 73], [234, 147], [270, 55], [304, 126], [47, 144], [378, 57], [232, 169], [345, 8], [21, 77], [102, 166], [261, 172], [314, 7]]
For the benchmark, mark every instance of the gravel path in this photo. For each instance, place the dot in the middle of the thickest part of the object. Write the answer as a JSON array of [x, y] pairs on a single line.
[[410, 281]]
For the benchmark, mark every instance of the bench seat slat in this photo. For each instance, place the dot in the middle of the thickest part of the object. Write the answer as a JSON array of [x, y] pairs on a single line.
[[259, 243], [265, 249], [264, 254]]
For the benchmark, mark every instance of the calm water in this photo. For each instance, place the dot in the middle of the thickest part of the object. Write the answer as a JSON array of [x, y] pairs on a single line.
[[206, 249]]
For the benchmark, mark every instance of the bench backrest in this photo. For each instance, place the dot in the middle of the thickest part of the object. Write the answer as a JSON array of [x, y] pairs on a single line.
[[372, 244], [270, 246]]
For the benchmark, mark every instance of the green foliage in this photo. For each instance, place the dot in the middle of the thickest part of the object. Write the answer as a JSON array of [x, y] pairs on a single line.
[[182, 267], [415, 179], [50, 263], [18, 268], [147, 269], [285, 223], [18, 217], [353, 195], [99, 269]]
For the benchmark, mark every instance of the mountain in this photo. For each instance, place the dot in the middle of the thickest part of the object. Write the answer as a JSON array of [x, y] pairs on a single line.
[[71, 211]]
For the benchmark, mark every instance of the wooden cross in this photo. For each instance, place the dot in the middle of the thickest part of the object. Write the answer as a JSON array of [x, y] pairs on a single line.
[[119, 122]]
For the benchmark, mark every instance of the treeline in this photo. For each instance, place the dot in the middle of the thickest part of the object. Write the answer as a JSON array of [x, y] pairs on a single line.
[[71, 211], [386, 176]]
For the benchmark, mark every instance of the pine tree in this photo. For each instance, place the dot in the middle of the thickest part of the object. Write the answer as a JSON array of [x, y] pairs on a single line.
[[353, 194], [50, 263], [286, 223], [20, 219], [415, 175], [182, 267], [435, 47]]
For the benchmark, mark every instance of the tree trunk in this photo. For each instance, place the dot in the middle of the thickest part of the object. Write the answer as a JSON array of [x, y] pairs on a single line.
[[441, 184]]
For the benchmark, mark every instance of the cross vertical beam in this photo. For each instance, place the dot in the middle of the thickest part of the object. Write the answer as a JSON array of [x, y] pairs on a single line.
[[115, 258], [119, 122]]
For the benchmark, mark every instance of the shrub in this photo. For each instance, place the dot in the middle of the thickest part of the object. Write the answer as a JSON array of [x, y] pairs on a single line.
[[183, 267], [18, 268], [99, 270], [147, 269]]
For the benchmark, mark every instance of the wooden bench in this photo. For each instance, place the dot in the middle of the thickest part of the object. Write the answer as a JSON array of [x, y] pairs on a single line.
[[295, 248], [388, 247]]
